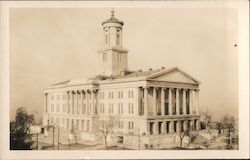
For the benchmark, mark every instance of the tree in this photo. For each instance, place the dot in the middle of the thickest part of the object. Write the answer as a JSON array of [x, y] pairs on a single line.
[[219, 127], [19, 137], [183, 134], [106, 128], [228, 124]]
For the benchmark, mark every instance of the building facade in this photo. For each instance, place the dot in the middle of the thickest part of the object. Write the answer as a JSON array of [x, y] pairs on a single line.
[[153, 105]]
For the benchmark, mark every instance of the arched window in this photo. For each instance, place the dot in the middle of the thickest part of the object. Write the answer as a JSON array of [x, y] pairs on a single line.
[[106, 36], [104, 58], [118, 37]]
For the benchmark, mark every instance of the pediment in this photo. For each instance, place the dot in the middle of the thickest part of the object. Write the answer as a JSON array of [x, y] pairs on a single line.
[[173, 75]]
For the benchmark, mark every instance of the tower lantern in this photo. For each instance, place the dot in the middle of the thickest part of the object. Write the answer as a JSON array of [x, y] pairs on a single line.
[[112, 57]]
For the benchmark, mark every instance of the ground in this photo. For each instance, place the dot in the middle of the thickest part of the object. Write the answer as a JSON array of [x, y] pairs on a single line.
[[200, 143]]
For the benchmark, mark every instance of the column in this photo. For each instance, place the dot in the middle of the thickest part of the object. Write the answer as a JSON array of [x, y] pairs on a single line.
[[80, 103], [140, 111], [192, 124], [72, 99], [86, 125], [177, 102], [198, 126], [163, 127], [92, 109], [87, 104], [145, 101], [170, 108], [197, 101], [185, 126], [77, 102], [171, 127], [68, 107], [162, 101], [178, 126], [97, 102], [190, 102], [184, 102], [156, 125], [93, 102], [148, 128], [46, 102], [154, 102]]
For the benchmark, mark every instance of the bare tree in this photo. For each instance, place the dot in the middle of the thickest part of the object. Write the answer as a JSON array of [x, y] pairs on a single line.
[[183, 134], [106, 128], [228, 123]]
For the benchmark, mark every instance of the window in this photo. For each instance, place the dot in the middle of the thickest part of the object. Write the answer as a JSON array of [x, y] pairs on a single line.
[[57, 121], [67, 123], [101, 95], [118, 38], [82, 124], [52, 97], [83, 108], [77, 124], [101, 107], [52, 107], [130, 94], [111, 108], [120, 108], [58, 107], [104, 58], [64, 96], [120, 124], [111, 95], [130, 125], [68, 108], [130, 108], [106, 36], [120, 94], [64, 108], [119, 57], [52, 120], [58, 97]]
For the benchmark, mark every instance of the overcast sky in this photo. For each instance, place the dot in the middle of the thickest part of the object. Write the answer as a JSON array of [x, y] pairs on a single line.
[[52, 45]]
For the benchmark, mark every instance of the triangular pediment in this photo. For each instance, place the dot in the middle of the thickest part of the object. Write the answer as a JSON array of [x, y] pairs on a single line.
[[173, 75]]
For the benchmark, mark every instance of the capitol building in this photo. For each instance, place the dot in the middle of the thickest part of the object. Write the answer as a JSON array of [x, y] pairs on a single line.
[[153, 104]]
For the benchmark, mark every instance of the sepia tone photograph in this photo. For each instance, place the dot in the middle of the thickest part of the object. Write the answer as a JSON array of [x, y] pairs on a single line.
[[116, 78]]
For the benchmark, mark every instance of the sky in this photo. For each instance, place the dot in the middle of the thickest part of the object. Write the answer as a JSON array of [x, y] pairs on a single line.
[[51, 45]]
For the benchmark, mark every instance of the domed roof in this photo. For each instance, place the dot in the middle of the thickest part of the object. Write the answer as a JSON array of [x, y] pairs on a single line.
[[112, 19]]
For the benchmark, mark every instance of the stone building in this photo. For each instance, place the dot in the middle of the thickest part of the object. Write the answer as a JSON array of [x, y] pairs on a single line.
[[149, 107]]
